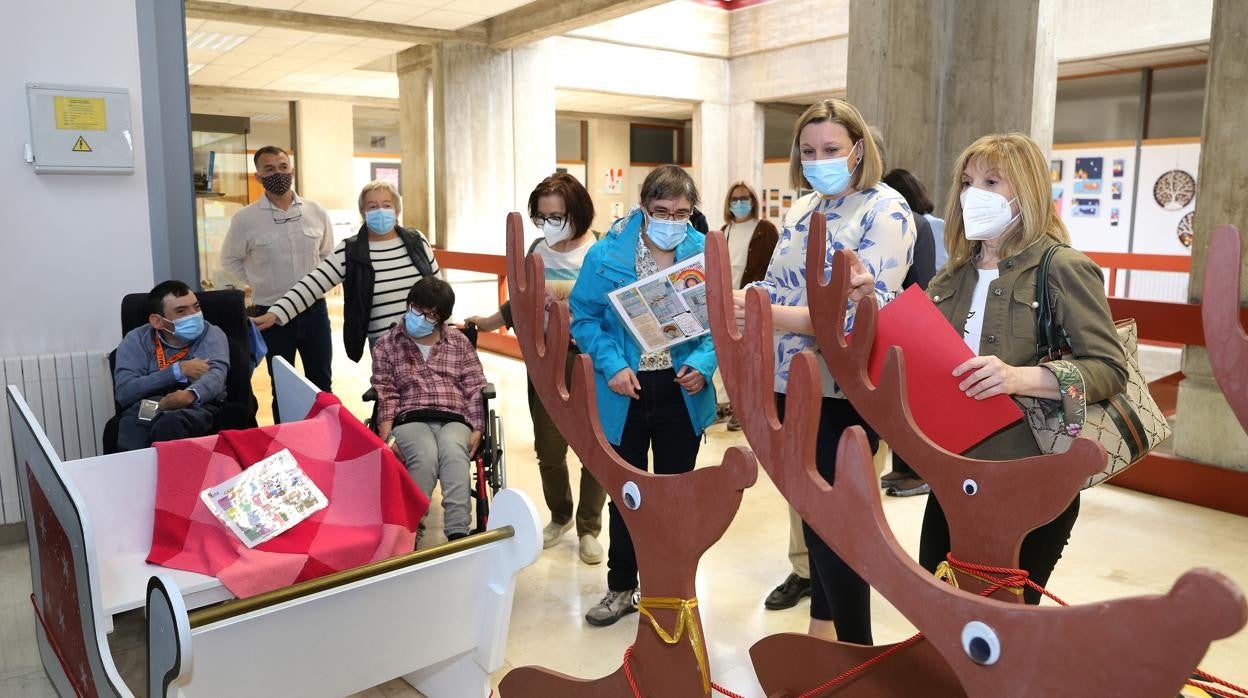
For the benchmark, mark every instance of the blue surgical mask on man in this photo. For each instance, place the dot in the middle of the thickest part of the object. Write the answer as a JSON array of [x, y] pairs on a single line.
[[380, 220], [830, 176], [188, 328], [741, 209], [666, 235], [417, 325]]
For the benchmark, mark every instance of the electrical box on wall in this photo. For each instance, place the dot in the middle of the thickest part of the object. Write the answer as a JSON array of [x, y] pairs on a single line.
[[79, 130]]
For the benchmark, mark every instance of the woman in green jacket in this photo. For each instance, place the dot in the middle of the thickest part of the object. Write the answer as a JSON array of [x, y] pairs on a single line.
[[1001, 220]]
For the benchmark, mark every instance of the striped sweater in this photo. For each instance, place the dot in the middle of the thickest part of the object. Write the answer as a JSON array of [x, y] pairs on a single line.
[[395, 274]]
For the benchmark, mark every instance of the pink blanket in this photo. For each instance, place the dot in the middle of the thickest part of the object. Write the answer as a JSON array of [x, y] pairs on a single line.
[[374, 507]]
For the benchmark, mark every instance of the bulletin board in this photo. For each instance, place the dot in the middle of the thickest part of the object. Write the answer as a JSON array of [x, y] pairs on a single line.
[[1092, 188], [1167, 202], [79, 130]]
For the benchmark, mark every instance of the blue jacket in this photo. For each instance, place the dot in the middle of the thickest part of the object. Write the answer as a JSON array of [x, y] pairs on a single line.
[[137, 374], [599, 332]]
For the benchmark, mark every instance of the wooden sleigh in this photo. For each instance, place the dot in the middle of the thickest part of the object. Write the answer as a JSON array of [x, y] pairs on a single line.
[[438, 617]]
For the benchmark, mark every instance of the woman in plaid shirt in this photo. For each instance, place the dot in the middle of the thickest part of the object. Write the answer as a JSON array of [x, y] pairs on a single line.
[[429, 380]]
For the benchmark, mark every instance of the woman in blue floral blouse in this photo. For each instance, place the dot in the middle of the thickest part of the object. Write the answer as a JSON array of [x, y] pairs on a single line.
[[834, 154]]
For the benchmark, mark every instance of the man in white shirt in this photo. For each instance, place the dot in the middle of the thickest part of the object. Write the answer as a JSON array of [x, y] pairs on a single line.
[[272, 244]]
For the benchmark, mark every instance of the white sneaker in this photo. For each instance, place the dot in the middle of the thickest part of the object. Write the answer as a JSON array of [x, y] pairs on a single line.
[[591, 550], [614, 606], [553, 532]]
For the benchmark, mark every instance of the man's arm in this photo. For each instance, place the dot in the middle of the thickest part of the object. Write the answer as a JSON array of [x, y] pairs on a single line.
[[215, 348], [234, 250], [132, 379]]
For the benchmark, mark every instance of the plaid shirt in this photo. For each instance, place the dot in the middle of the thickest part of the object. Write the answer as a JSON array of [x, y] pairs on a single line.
[[451, 380]]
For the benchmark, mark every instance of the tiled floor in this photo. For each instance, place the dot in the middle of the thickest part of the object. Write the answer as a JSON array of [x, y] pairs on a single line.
[[1125, 543]]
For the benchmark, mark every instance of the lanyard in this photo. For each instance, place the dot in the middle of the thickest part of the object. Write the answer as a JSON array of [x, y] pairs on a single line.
[[161, 362]]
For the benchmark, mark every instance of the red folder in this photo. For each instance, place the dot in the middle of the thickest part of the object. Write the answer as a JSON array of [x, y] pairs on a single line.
[[933, 349]]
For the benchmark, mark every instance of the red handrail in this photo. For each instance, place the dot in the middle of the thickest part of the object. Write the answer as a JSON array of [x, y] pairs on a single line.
[[500, 341]]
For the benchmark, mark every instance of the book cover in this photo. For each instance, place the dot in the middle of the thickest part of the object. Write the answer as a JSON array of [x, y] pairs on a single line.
[[265, 500]]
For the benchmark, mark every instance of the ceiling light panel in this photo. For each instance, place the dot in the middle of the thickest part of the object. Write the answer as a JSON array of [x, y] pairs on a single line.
[[213, 41]]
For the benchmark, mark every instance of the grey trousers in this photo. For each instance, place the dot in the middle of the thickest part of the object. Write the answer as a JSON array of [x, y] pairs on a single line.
[[438, 452]]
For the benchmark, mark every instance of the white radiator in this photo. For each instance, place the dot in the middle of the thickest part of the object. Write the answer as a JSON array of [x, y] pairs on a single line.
[[71, 396]]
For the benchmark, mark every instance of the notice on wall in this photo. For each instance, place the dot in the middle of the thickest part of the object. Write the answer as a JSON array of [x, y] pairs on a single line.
[[80, 113], [666, 308], [613, 181]]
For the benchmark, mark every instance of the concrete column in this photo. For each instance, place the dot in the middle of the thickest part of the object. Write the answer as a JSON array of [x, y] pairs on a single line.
[[711, 163], [415, 70], [494, 139], [746, 144], [324, 152], [936, 76], [1205, 430]]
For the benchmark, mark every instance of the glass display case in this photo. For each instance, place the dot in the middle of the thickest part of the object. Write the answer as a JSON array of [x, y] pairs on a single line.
[[219, 159]]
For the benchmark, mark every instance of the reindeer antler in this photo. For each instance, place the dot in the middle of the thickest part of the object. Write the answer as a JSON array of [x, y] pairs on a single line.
[[677, 517], [1167, 634], [1224, 335]]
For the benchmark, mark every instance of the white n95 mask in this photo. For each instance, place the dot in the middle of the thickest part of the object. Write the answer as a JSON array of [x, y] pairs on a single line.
[[985, 214]]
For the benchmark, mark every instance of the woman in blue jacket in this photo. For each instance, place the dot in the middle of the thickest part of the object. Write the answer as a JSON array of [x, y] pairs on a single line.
[[660, 400]]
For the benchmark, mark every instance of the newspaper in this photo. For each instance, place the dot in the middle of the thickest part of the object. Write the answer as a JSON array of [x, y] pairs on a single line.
[[666, 308], [265, 500]]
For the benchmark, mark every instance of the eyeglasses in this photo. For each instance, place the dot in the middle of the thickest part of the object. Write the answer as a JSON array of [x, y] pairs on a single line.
[[663, 214], [741, 200], [295, 213], [555, 220]]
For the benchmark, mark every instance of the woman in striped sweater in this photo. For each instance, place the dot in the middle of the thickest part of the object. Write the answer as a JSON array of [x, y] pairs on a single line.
[[376, 267], [563, 210]]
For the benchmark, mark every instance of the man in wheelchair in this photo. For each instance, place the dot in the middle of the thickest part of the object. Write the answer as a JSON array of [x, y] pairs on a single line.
[[170, 373], [429, 381]]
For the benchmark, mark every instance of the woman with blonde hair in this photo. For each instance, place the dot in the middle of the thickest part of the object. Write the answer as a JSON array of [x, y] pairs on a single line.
[[1000, 223], [834, 154]]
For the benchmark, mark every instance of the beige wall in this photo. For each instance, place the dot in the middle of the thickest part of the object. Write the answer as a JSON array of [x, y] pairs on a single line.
[[326, 149], [608, 148]]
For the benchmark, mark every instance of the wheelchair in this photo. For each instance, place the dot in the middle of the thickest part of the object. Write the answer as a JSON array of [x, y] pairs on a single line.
[[488, 463], [225, 310]]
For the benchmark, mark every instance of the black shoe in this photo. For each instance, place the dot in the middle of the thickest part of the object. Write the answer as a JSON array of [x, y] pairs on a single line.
[[455, 536], [790, 591]]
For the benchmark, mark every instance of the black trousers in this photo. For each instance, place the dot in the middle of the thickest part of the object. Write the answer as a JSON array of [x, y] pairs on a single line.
[[658, 420], [837, 593], [308, 334], [167, 426], [1041, 549]]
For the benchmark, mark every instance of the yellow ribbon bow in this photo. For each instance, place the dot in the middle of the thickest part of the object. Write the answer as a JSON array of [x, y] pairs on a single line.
[[684, 620]]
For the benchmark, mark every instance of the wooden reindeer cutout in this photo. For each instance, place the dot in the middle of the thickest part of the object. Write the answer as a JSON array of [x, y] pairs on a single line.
[[673, 519], [1224, 335], [1145, 646]]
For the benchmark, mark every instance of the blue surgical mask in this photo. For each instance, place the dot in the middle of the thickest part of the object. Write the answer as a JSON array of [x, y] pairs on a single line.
[[417, 325], [666, 235], [830, 176], [188, 328], [380, 220], [740, 209]]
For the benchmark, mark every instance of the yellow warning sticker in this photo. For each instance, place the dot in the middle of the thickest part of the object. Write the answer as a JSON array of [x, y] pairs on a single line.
[[80, 146], [80, 113]]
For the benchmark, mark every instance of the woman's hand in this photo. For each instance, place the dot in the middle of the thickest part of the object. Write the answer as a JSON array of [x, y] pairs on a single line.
[[486, 323], [987, 376], [738, 308], [474, 440], [625, 383], [691, 380], [265, 321], [861, 281]]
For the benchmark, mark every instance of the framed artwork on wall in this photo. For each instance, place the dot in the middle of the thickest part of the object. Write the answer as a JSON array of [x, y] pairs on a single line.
[[386, 172]]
